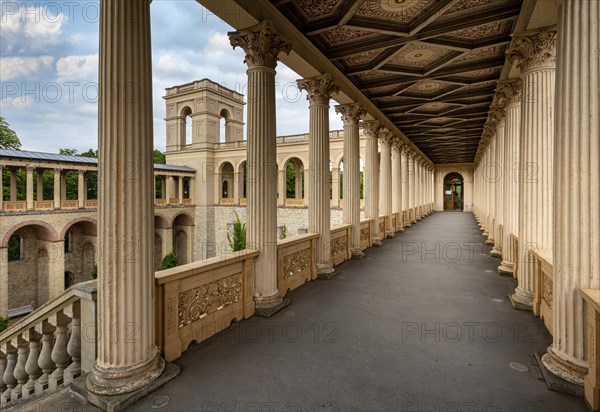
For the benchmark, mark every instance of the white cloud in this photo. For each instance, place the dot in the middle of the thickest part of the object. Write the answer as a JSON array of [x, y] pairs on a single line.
[[17, 67], [78, 67], [17, 102], [33, 28], [217, 45]]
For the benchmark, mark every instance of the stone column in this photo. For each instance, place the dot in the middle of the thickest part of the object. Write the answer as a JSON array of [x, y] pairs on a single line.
[[511, 90], [262, 46], [413, 186], [125, 222], [335, 187], [371, 178], [576, 186], [385, 194], [56, 197], [298, 182], [491, 194], [180, 189], [13, 185], [405, 187], [498, 113], [319, 91], [29, 188], [63, 185], [192, 190], [170, 186], [535, 54], [282, 190], [81, 189], [236, 187], [397, 182], [40, 185], [351, 114], [4, 282]]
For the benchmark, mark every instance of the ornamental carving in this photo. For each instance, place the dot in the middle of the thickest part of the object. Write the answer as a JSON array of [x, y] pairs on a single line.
[[362, 58], [319, 89], [418, 55], [478, 54], [385, 136], [350, 113], [547, 292], [364, 235], [196, 303], [339, 246], [510, 89], [400, 11], [342, 34], [483, 31], [296, 263], [317, 8], [371, 128], [533, 51], [261, 44]]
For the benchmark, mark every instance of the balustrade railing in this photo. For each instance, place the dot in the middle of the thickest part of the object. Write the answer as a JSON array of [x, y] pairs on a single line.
[[382, 227], [227, 201], [186, 201], [542, 303], [199, 299], [90, 204], [44, 351], [294, 202], [173, 201], [340, 243], [15, 206], [161, 202], [365, 234], [243, 201], [69, 204], [296, 261], [43, 204]]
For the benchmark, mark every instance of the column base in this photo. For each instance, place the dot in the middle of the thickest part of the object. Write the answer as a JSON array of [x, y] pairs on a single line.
[[490, 241], [519, 302], [122, 401], [327, 275], [390, 235], [376, 242], [407, 225], [561, 375], [357, 255], [118, 381], [496, 253], [267, 312], [506, 269]]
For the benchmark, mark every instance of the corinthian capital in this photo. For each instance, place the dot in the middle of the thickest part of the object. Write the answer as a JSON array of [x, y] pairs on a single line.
[[533, 50], [371, 128], [261, 44], [319, 88], [510, 90], [385, 136], [351, 113]]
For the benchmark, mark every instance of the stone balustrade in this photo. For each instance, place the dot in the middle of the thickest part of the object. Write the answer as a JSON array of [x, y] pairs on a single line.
[[542, 303], [161, 202], [173, 201], [294, 202], [227, 201], [382, 219], [199, 299], [69, 204], [186, 201], [43, 204], [15, 206], [90, 204], [296, 261], [50, 347], [340, 241], [365, 234], [243, 201]]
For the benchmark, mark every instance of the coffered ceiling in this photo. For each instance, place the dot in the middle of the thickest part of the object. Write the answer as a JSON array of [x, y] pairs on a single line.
[[430, 66]]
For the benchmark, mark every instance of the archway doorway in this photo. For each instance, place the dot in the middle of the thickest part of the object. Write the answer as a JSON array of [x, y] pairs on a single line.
[[453, 191]]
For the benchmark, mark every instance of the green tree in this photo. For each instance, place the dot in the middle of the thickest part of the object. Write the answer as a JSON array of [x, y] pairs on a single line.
[[168, 262], [3, 324], [159, 159], [237, 239], [8, 137]]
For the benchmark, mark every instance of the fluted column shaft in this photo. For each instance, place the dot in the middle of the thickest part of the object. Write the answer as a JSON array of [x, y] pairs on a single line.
[[536, 56], [126, 205], [491, 181], [385, 194], [371, 178], [405, 186], [511, 173], [576, 183], [29, 188], [351, 114], [498, 173], [397, 183], [262, 46], [319, 91], [412, 187]]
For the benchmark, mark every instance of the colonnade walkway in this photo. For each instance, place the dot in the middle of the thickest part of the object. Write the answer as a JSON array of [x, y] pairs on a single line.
[[422, 323]]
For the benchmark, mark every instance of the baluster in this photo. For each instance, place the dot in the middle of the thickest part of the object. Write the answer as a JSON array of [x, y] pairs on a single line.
[[9, 379], [60, 357], [32, 367], [45, 361], [19, 373], [2, 369], [74, 346]]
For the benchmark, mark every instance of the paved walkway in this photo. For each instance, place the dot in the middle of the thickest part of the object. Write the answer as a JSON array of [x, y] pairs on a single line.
[[421, 324]]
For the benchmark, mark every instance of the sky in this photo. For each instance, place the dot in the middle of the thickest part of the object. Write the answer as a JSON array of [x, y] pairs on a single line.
[[49, 69]]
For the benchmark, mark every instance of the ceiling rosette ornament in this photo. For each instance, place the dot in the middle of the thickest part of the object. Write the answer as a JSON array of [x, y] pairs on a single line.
[[261, 44]]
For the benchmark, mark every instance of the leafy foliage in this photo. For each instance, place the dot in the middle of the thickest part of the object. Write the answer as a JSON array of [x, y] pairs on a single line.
[[3, 324], [94, 273], [14, 248], [237, 239], [168, 262], [8, 137]]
